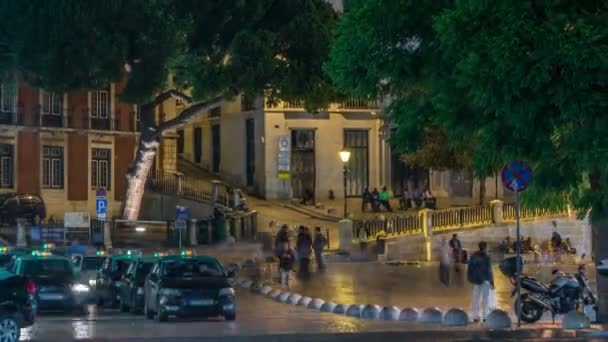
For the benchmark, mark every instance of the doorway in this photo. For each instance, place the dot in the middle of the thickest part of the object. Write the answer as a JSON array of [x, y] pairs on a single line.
[[303, 162], [215, 144], [198, 144], [250, 151]]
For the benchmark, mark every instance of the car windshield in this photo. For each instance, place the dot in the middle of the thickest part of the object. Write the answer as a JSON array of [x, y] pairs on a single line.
[[187, 268], [38, 268], [121, 266], [92, 263]]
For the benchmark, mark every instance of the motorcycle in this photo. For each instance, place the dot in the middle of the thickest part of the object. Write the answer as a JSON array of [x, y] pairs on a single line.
[[565, 293]]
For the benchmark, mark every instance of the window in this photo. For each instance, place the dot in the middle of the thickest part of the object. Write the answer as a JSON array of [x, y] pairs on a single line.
[[52, 103], [6, 166], [215, 112], [100, 168], [7, 99], [52, 167], [100, 104]]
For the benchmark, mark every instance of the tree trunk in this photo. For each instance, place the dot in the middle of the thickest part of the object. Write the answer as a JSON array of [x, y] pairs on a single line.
[[599, 228], [482, 191], [138, 172]]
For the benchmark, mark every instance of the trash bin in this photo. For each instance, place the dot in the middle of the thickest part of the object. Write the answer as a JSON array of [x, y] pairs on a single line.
[[204, 236], [380, 243]]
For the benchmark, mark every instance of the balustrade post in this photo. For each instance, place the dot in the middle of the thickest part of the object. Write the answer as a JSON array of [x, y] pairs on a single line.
[[215, 191], [427, 230], [497, 212]]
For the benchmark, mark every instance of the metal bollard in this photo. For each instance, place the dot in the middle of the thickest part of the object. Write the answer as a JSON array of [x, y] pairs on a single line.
[[21, 240]]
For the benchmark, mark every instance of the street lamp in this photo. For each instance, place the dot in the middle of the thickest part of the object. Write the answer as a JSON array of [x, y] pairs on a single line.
[[345, 156]]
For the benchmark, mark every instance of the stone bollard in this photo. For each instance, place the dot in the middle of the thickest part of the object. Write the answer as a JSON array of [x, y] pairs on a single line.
[[576, 320], [498, 319], [371, 312], [390, 313], [304, 301], [21, 236], [456, 318], [265, 290], [274, 293], [345, 230], [107, 234], [340, 309], [497, 212], [294, 298], [328, 307], [354, 311], [431, 316], [283, 297], [409, 315], [316, 304]]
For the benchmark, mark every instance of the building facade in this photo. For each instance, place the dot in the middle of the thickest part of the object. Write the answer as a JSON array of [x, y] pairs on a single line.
[[64, 147]]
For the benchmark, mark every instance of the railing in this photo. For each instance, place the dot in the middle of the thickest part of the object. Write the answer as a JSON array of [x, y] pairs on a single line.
[[527, 213], [356, 103], [401, 225], [461, 217], [71, 119]]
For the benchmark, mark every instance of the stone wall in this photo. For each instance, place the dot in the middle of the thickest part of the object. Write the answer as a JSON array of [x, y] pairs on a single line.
[[158, 207], [412, 247]]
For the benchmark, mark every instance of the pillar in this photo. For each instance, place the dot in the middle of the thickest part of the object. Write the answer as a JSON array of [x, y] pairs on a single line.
[[497, 213], [427, 231], [192, 233], [179, 177], [107, 237], [21, 226], [345, 231]]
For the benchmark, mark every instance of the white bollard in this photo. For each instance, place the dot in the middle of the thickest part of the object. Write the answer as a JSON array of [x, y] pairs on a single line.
[[192, 236], [21, 241]]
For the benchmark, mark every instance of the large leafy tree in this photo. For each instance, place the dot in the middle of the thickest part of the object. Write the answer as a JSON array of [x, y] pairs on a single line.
[[512, 79], [216, 49]]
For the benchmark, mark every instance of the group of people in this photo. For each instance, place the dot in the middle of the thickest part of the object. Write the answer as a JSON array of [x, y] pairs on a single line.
[[305, 245], [378, 200], [418, 199]]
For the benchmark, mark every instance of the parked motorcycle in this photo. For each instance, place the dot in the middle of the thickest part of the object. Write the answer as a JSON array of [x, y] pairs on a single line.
[[565, 293]]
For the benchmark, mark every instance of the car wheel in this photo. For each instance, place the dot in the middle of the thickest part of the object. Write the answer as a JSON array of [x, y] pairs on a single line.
[[162, 316], [230, 317], [9, 329], [147, 312]]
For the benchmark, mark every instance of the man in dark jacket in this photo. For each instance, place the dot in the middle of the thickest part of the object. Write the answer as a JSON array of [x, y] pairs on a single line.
[[456, 247], [480, 274], [318, 245], [303, 248]]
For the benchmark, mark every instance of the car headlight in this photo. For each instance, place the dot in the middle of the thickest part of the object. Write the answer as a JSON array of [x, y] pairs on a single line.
[[92, 282], [140, 290], [80, 288], [227, 291], [170, 292]]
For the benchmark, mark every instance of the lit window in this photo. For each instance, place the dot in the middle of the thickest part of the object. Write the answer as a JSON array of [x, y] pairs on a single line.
[[100, 168], [52, 167]]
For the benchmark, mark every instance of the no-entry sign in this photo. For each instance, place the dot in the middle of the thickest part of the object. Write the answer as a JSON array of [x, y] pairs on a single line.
[[516, 176]]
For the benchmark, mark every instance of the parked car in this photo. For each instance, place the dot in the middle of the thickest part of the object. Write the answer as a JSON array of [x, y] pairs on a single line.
[[132, 284], [17, 305], [14, 206]]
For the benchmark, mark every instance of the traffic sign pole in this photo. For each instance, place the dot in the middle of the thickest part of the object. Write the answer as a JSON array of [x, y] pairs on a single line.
[[518, 254]]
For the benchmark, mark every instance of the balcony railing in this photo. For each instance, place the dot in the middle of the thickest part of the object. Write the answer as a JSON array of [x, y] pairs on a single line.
[[355, 103], [350, 104]]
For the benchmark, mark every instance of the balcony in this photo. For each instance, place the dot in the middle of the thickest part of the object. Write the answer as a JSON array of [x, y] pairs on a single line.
[[351, 104], [356, 103], [52, 120]]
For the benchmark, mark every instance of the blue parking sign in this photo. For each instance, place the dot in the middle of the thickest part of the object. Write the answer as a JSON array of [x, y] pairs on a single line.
[[101, 205], [182, 213]]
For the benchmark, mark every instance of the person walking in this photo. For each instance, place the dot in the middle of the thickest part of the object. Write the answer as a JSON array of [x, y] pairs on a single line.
[[303, 247], [286, 262], [282, 241], [318, 245], [480, 274], [456, 247], [444, 262]]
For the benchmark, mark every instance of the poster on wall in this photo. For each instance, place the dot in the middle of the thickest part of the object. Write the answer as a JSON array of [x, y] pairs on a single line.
[[284, 158]]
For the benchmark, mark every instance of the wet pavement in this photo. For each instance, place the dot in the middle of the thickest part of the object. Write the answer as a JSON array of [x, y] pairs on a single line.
[[406, 285], [258, 319]]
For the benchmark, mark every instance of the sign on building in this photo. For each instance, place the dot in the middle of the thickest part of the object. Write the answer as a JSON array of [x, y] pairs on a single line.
[[284, 159]]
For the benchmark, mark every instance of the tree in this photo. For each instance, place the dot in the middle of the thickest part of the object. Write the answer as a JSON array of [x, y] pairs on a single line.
[[216, 49], [522, 80]]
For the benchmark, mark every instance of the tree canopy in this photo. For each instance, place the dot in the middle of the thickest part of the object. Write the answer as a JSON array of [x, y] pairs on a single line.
[[214, 47]]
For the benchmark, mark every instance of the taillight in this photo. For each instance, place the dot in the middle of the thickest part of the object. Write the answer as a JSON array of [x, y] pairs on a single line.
[[30, 287]]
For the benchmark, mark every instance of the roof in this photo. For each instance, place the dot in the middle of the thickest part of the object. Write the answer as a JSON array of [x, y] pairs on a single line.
[[194, 257], [149, 259]]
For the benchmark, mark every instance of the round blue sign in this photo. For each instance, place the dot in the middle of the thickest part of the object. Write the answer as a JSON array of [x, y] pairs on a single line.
[[516, 176]]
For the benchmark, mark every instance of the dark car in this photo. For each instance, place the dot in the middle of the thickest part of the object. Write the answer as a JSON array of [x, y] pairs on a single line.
[[186, 286], [109, 279], [54, 276], [17, 305], [14, 206], [132, 285]]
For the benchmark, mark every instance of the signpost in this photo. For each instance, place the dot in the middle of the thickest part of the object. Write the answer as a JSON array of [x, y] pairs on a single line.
[[101, 204], [284, 159], [516, 176], [182, 216]]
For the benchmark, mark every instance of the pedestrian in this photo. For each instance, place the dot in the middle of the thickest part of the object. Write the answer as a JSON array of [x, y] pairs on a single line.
[[444, 262], [282, 241], [556, 243], [303, 248], [406, 201], [375, 200], [417, 196], [286, 262], [366, 198], [385, 199], [318, 245], [480, 275], [456, 247]]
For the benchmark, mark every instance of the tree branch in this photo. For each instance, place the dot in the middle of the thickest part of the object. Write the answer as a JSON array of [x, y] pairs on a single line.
[[164, 96], [190, 114]]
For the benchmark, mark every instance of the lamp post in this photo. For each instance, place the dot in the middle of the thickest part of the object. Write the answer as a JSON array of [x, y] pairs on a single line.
[[345, 156]]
